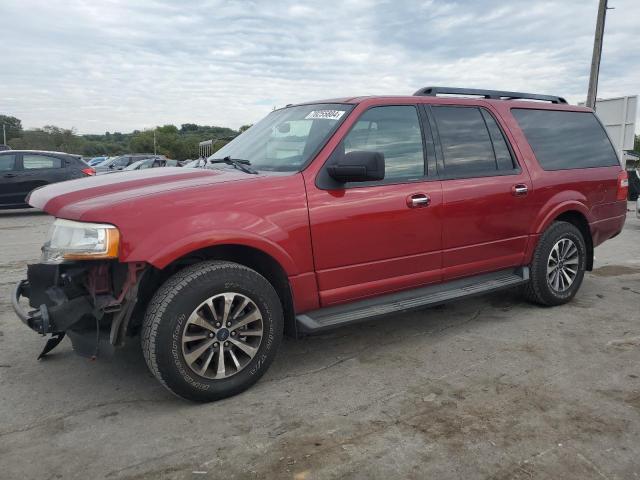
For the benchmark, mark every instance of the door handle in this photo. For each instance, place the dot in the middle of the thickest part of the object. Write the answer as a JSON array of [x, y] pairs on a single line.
[[519, 190], [418, 200], [9, 175]]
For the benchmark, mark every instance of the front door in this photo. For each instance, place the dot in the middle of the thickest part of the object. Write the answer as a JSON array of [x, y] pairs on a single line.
[[378, 237], [9, 187]]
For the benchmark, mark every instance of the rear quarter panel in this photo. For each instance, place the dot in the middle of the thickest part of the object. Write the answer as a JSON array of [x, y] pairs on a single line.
[[590, 191]]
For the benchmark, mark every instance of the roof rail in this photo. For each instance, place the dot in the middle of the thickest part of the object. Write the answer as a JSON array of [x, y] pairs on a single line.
[[491, 94]]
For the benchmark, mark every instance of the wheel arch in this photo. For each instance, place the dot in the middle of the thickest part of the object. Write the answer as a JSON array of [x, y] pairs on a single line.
[[251, 257], [578, 220], [574, 213]]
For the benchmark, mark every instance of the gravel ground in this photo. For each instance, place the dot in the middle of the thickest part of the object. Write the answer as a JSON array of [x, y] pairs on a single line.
[[490, 388]]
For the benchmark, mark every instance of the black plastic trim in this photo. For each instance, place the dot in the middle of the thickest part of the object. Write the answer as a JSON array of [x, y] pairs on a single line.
[[488, 94], [358, 311]]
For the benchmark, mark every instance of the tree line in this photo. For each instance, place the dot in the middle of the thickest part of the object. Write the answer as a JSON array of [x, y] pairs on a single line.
[[173, 142]]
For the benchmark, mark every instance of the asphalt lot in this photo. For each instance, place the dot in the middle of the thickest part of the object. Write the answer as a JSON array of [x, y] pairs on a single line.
[[490, 387]]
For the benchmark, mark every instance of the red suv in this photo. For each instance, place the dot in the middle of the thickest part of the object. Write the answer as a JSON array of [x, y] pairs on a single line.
[[320, 215]]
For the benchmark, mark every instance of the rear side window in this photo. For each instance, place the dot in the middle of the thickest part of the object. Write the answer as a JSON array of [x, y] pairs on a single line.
[[7, 162], [566, 140], [34, 162], [472, 143]]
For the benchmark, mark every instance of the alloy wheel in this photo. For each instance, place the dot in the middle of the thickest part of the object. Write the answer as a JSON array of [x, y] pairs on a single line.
[[222, 335], [562, 265]]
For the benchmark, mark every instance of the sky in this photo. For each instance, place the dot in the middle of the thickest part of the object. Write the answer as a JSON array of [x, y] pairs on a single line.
[[120, 65]]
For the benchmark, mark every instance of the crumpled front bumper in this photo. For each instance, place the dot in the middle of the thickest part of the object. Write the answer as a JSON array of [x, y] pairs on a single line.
[[79, 300], [37, 320], [48, 319]]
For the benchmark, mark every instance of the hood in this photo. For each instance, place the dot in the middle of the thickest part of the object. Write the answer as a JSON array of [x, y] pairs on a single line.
[[72, 199]]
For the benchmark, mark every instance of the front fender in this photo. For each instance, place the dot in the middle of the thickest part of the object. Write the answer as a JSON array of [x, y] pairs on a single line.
[[171, 241], [192, 243]]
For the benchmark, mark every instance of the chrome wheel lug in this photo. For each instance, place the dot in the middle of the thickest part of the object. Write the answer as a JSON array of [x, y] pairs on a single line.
[[216, 345], [226, 344], [228, 324]]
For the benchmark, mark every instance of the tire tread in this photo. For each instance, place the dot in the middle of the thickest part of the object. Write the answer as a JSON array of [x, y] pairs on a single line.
[[533, 290], [163, 298]]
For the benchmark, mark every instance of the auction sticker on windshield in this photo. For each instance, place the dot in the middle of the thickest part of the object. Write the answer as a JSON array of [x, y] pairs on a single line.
[[325, 114]]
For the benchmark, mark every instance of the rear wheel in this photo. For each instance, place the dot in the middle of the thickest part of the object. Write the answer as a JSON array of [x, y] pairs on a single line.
[[558, 265], [212, 330]]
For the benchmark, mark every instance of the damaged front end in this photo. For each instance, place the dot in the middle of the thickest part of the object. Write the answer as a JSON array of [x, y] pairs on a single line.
[[89, 301]]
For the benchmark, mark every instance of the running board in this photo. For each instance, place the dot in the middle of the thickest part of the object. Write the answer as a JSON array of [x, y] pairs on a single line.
[[332, 317]]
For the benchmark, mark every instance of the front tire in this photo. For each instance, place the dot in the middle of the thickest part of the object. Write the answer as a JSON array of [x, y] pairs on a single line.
[[212, 330], [558, 265]]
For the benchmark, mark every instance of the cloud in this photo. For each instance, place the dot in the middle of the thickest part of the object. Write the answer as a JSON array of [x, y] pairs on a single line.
[[126, 64]]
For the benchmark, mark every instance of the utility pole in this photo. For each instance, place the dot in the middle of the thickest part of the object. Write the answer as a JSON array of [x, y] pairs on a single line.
[[4, 134], [592, 93], [154, 141]]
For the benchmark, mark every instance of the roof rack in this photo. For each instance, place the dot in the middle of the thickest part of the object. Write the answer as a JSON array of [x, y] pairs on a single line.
[[490, 94]]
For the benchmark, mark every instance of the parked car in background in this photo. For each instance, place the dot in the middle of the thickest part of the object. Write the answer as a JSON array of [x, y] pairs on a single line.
[[197, 163], [326, 214], [4, 147], [21, 171], [152, 163], [121, 162], [95, 161], [634, 183]]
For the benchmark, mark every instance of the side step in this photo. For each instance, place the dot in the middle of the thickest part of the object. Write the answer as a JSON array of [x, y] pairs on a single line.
[[332, 317]]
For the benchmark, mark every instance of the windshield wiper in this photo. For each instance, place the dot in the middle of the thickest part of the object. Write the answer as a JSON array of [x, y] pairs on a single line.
[[238, 163]]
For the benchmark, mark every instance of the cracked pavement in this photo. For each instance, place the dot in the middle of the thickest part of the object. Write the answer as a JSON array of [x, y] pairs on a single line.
[[489, 388]]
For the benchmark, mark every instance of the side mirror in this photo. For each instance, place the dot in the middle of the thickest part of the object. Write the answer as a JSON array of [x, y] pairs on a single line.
[[358, 166]]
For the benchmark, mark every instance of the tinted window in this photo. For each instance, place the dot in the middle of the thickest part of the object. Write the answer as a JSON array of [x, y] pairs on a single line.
[[7, 162], [564, 140], [32, 162], [504, 160], [465, 141], [395, 132]]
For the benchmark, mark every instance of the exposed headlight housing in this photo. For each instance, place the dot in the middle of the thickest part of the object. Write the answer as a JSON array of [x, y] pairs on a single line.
[[69, 240]]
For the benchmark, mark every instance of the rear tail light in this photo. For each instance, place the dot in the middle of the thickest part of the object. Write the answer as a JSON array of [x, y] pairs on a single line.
[[88, 171], [623, 185]]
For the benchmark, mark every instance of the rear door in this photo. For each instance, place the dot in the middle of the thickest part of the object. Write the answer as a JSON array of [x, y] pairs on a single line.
[[487, 207], [378, 237], [9, 187], [40, 169]]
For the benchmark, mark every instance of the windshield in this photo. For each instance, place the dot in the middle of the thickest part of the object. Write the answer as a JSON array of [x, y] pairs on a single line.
[[286, 139]]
